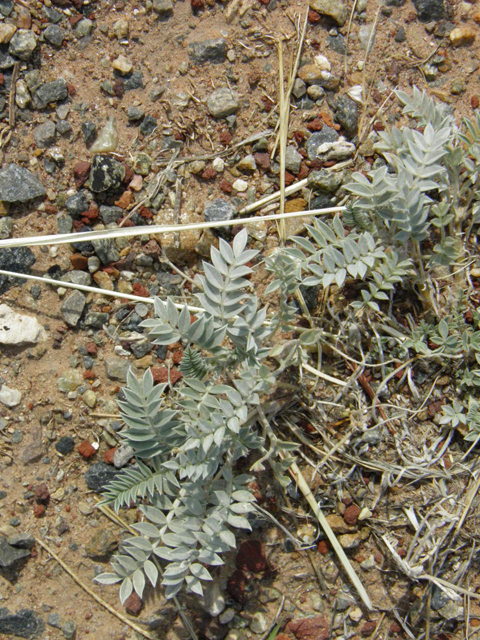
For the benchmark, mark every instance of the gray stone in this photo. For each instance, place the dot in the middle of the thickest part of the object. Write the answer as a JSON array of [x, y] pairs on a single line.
[[22, 540], [6, 227], [292, 160], [54, 620], [347, 114], [96, 319], [106, 173], [44, 135], [148, 125], [247, 164], [77, 204], [106, 250], [316, 93], [135, 81], [439, 599], [52, 14], [63, 127], [163, 7], [6, 7], [19, 185], [214, 50], [117, 369], [223, 102], [72, 308], [110, 214], [10, 555], [140, 349], [64, 224], [134, 114], [65, 445], [22, 44], [76, 276], [101, 544], [326, 181], [68, 630], [218, 211], [89, 131], [327, 134], [99, 475], [50, 92], [10, 397], [18, 259], [54, 35], [335, 9], [429, 10], [337, 44], [23, 624], [299, 88], [400, 35], [122, 456], [83, 28]]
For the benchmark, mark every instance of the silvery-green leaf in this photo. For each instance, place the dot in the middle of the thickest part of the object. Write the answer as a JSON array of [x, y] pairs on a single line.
[[125, 590], [151, 572], [138, 582], [146, 529], [107, 578]]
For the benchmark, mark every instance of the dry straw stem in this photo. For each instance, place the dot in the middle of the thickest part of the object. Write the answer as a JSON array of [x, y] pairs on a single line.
[[85, 236], [291, 81], [91, 593], [283, 120], [305, 489]]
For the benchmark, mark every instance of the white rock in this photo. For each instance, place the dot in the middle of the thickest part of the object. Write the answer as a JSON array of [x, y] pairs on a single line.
[[18, 330], [258, 623], [240, 185], [364, 514], [338, 150], [10, 397], [218, 164], [323, 62]]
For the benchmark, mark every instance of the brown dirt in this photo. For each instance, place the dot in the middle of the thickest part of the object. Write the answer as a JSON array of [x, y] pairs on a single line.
[[155, 47]]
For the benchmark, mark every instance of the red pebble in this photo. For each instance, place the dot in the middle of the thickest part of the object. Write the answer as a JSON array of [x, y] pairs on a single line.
[[209, 173], [315, 125], [226, 186], [133, 604], [86, 450], [351, 514], [323, 547], [39, 510], [140, 290], [91, 348], [81, 171], [313, 17], [108, 455], [42, 494], [262, 160], [160, 375], [71, 88], [225, 137], [475, 102], [78, 261], [251, 556], [289, 178]]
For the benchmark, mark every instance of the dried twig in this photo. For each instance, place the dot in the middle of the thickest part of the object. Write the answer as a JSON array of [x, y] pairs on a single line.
[[91, 593]]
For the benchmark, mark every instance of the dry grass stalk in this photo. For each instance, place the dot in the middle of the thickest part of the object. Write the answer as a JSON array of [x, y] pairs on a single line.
[[91, 593], [67, 238]]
